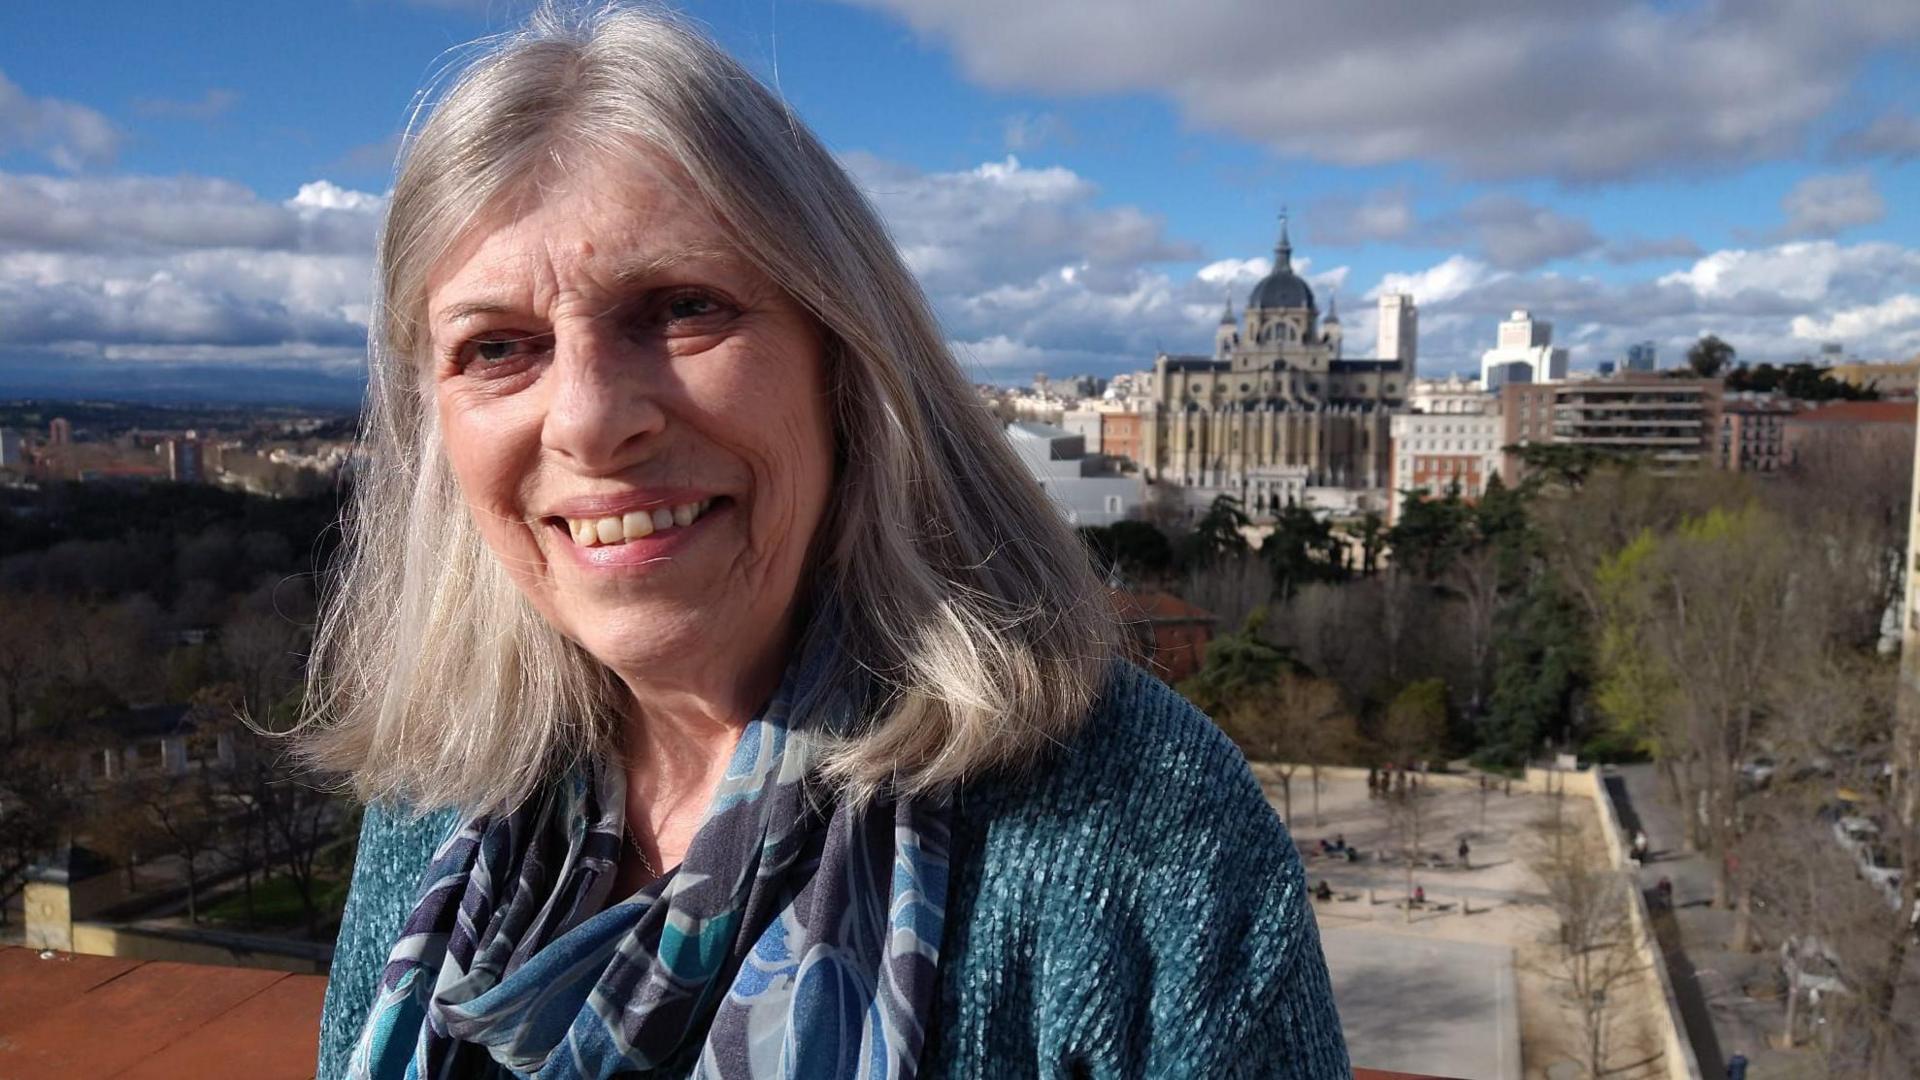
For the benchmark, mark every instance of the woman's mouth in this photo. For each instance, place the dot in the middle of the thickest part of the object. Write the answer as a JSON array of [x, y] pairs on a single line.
[[635, 524]]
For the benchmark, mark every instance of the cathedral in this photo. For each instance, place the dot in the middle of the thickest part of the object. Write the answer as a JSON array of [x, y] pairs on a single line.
[[1278, 409]]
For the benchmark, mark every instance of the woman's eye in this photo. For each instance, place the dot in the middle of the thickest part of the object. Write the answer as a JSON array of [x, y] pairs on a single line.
[[691, 306], [493, 353]]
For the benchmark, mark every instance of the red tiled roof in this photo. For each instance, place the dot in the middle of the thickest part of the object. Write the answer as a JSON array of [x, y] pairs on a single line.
[[73, 1015], [1859, 412]]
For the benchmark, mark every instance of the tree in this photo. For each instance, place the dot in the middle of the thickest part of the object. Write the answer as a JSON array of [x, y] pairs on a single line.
[[1539, 665], [1709, 356], [1598, 955], [1136, 548], [1238, 666], [1301, 549], [1293, 720], [1217, 534], [1416, 725], [1371, 531]]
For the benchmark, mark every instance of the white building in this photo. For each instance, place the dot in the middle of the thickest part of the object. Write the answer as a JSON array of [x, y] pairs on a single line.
[[1436, 452], [1399, 332], [1524, 353], [1082, 485], [1453, 394]]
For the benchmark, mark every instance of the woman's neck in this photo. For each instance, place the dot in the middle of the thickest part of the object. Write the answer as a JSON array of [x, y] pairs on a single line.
[[679, 737]]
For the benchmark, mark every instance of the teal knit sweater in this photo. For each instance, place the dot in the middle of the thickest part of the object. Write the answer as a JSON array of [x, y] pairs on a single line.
[[1131, 908]]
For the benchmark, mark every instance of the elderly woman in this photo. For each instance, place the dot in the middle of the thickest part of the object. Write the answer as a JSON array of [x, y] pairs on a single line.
[[729, 701]]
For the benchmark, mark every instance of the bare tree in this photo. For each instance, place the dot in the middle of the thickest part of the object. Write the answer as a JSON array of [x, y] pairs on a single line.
[[1293, 721], [1598, 956]]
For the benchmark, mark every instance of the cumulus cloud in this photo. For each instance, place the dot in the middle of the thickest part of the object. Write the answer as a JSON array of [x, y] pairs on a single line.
[[147, 213], [1030, 131], [1588, 91], [67, 134], [157, 268], [1893, 134], [1772, 303], [1825, 205], [1504, 230]]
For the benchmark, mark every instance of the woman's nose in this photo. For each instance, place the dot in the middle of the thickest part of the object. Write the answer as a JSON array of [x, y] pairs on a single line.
[[603, 411]]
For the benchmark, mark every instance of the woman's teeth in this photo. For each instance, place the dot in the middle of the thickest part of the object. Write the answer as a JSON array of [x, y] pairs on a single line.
[[593, 532]]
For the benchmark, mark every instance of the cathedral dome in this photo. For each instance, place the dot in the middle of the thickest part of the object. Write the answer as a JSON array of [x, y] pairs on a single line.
[[1282, 288]]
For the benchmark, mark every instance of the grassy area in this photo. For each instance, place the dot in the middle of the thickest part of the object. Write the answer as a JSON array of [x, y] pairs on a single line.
[[276, 904]]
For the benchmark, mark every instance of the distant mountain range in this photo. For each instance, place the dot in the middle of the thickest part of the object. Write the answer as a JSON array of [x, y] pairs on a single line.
[[178, 384]]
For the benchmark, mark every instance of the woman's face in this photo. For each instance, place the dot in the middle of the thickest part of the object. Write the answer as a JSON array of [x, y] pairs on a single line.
[[638, 422]]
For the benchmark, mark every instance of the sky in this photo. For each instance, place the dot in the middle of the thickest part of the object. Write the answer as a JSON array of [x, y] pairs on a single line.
[[192, 191]]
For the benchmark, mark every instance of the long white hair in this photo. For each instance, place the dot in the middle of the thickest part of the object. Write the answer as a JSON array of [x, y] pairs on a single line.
[[964, 596]]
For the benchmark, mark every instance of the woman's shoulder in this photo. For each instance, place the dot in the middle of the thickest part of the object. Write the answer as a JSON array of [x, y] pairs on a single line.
[[1143, 751]]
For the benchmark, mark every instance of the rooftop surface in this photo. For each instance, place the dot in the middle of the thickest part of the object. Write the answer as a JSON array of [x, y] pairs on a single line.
[[100, 1016], [67, 1015]]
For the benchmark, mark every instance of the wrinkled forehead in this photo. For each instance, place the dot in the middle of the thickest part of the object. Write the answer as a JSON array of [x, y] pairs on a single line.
[[630, 210]]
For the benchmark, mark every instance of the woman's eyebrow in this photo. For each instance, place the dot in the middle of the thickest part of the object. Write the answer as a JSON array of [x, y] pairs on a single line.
[[649, 267], [461, 312]]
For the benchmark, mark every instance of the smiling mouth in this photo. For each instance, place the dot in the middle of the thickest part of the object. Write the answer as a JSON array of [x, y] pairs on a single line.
[[634, 525]]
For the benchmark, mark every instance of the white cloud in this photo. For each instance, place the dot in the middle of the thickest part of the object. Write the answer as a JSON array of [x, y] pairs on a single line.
[[69, 135], [1826, 205], [149, 267], [1439, 283], [1585, 91], [1770, 303], [1502, 229], [1899, 313]]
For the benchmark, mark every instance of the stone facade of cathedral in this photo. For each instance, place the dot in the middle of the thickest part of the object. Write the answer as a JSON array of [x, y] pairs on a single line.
[[1278, 409]]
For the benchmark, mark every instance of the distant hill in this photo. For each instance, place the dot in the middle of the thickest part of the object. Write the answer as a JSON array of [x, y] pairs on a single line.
[[178, 384]]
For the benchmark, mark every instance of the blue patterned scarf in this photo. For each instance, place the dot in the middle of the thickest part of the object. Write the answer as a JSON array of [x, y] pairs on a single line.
[[796, 939]]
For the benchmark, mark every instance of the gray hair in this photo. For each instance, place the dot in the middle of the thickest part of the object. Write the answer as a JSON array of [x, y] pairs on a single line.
[[963, 595]]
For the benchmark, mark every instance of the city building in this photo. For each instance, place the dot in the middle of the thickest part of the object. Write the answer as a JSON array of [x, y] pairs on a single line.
[[1753, 432], [183, 459], [1641, 356], [1120, 435], [1523, 352], [1848, 431], [1672, 423], [1084, 486], [1278, 410], [1399, 331], [1453, 394], [1438, 452], [13, 450], [1901, 380], [60, 431]]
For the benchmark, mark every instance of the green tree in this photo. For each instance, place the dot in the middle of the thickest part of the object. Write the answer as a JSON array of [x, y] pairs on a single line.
[[1540, 660], [1431, 533], [1238, 666], [1136, 548], [1217, 534], [1709, 356], [1416, 724], [1302, 549]]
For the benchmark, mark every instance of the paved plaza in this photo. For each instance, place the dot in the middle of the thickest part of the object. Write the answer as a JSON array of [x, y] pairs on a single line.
[[1425, 1005], [1466, 984]]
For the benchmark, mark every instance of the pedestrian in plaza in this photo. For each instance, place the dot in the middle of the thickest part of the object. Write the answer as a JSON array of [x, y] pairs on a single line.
[[1465, 854]]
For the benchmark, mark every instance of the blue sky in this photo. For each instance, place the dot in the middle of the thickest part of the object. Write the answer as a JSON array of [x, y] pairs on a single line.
[[1078, 183]]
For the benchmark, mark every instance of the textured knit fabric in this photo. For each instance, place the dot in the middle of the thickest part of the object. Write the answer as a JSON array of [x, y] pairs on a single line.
[[1131, 907], [794, 939]]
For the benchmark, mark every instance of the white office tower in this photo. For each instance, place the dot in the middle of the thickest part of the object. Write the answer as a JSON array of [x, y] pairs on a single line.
[[1399, 330], [1525, 354]]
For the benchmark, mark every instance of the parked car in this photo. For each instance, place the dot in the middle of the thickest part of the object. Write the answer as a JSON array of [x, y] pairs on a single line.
[[1855, 834]]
